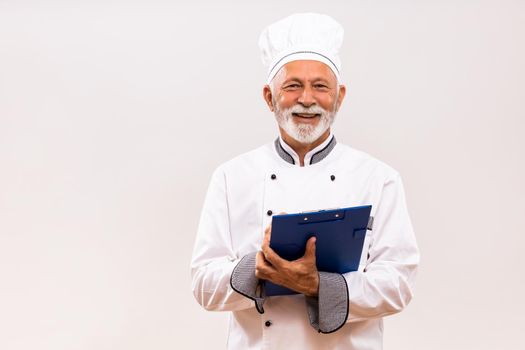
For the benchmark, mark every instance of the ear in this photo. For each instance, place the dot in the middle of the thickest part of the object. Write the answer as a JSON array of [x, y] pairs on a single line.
[[267, 95], [340, 98]]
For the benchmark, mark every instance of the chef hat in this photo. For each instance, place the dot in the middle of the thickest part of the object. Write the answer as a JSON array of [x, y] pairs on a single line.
[[302, 36]]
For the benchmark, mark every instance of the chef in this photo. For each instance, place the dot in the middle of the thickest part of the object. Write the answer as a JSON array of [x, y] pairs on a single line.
[[305, 168]]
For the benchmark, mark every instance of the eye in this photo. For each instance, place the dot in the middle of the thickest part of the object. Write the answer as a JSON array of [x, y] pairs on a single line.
[[292, 86], [321, 86]]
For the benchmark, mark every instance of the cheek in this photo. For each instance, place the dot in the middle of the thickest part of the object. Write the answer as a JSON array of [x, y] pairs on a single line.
[[288, 99], [326, 101]]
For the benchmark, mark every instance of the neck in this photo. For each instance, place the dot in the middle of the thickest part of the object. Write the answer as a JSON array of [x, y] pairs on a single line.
[[302, 148]]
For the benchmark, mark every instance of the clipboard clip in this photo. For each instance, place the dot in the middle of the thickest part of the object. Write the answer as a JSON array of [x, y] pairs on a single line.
[[321, 216], [370, 223], [318, 210]]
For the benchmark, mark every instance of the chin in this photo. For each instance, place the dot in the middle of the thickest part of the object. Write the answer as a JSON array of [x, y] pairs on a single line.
[[302, 132], [306, 138]]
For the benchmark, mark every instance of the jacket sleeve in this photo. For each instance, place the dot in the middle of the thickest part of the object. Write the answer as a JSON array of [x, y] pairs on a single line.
[[385, 286], [213, 257], [328, 311]]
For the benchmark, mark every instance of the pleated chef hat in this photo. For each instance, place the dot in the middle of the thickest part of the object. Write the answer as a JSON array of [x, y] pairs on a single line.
[[302, 36]]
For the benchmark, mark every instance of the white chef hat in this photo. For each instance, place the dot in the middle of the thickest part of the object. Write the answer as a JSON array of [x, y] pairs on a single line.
[[302, 36]]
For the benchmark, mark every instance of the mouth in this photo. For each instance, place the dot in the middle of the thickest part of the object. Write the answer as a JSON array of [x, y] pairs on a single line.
[[306, 115]]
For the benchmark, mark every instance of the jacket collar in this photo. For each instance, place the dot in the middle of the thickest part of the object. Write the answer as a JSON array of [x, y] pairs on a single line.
[[314, 156]]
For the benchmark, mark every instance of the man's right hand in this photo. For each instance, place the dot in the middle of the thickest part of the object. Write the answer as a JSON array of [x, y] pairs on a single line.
[[300, 275]]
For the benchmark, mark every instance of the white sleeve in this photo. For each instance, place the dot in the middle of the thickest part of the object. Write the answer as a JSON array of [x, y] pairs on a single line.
[[386, 284], [213, 257]]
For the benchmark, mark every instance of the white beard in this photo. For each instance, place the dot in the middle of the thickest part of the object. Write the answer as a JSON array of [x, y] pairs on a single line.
[[302, 132]]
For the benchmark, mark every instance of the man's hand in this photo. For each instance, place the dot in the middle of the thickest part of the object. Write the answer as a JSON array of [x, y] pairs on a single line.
[[300, 275]]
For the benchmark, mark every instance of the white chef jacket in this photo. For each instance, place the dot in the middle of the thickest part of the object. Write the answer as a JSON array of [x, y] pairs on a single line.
[[241, 198]]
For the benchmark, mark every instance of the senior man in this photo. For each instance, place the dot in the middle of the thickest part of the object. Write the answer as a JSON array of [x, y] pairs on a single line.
[[305, 168]]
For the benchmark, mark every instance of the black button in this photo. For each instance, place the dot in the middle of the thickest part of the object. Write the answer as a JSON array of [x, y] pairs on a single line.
[[268, 323], [269, 212], [332, 177], [273, 177]]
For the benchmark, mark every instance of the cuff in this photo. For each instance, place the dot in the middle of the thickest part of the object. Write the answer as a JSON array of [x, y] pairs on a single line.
[[243, 281], [329, 311]]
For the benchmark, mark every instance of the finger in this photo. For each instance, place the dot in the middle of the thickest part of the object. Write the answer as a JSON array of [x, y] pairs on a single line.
[[310, 248], [259, 265], [265, 245], [259, 259], [267, 235], [273, 258], [262, 268], [265, 248]]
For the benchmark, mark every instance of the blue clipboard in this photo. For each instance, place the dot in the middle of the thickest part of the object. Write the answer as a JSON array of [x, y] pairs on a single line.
[[340, 234]]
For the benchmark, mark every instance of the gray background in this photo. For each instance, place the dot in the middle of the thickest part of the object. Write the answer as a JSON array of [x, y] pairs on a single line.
[[114, 114]]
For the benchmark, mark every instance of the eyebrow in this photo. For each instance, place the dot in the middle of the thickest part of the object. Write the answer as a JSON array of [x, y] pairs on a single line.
[[317, 79]]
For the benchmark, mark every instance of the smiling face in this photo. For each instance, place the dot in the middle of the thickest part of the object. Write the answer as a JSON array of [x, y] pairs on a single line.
[[305, 97]]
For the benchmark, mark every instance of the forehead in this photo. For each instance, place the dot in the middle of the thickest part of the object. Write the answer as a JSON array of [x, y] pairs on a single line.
[[307, 70]]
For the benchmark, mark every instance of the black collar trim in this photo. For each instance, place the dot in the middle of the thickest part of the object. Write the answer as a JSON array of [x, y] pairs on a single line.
[[282, 152], [321, 154], [316, 158]]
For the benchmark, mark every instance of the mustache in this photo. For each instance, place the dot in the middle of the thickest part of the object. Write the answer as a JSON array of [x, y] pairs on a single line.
[[314, 109]]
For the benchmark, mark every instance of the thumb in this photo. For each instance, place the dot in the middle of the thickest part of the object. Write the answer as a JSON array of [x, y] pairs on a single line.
[[310, 248]]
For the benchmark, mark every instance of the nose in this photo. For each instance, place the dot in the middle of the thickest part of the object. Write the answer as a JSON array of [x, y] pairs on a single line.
[[307, 97]]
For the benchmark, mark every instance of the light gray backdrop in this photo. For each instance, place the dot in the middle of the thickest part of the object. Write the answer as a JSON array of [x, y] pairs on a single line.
[[113, 116]]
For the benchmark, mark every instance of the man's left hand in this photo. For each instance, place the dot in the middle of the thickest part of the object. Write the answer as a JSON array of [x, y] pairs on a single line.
[[300, 275]]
